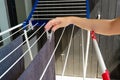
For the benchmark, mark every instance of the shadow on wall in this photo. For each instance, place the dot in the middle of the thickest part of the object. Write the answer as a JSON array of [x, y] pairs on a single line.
[[115, 74]]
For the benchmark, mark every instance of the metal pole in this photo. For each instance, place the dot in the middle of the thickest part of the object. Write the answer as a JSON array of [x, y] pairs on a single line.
[[105, 73], [28, 45], [8, 30]]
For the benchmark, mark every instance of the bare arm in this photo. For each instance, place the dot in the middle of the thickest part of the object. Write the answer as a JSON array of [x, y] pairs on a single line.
[[105, 27]]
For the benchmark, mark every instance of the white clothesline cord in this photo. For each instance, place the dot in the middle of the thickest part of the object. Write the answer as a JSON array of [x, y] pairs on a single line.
[[8, 30], [87, 53], [83, 53], [16, 32], [21, 56], [52, 55], [27, 41], [36, 30], [21, 44], [68, 52], [28, 45], [12, 34]]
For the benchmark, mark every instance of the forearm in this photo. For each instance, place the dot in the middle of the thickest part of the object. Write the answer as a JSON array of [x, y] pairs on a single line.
[[99, 26], [105, 27]]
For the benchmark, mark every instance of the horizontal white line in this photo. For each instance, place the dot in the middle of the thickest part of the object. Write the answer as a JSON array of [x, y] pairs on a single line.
[[55, 14], [62, 1], [61, 11], [10, 29], [42, 18], [62, 4], [60, 7]]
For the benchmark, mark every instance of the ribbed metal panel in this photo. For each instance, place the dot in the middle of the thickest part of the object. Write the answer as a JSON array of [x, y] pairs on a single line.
[[48, 9]]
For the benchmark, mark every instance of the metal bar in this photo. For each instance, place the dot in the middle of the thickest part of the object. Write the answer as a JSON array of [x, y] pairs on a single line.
[[57, 14], [68, 52], [20, 44], [30, 15], [88, 41], [11, 35], [8, 30], [52, 55], [28, 45], [56, 4], [105, 72], [87, 53], [60, 11], [60, 7], [99, 56], [42, 18], [88, 9], [61, 1], [83, 52]]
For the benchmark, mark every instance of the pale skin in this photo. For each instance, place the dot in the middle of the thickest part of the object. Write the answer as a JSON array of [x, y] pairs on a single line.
[[103, 26]]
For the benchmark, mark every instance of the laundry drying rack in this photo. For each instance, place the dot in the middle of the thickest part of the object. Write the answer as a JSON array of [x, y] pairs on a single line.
[[41, 13]]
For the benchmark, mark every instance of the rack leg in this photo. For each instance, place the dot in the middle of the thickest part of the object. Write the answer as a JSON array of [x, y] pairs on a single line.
[[105, 73]]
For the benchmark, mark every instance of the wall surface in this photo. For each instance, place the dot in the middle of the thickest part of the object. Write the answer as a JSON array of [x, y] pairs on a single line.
[[4, 20], [20, 10]]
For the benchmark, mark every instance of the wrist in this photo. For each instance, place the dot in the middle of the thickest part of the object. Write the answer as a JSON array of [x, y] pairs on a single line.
[[71, 20], [74, 20]]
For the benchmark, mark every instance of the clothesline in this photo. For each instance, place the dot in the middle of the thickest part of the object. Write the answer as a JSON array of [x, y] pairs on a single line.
[[43, 73], [68, 51], [27, 40], [21, 43], [83, 52], [23, 53], [8, 30], [15, 27], [2, 33], [86, 54], [12, 34]]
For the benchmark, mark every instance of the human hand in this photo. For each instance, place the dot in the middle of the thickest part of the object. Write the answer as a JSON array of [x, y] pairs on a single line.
[[57, 23]]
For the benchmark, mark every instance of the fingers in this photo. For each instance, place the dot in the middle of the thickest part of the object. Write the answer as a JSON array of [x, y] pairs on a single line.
[[57, 23], [52, 23], [55, 27], [48, 25]]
